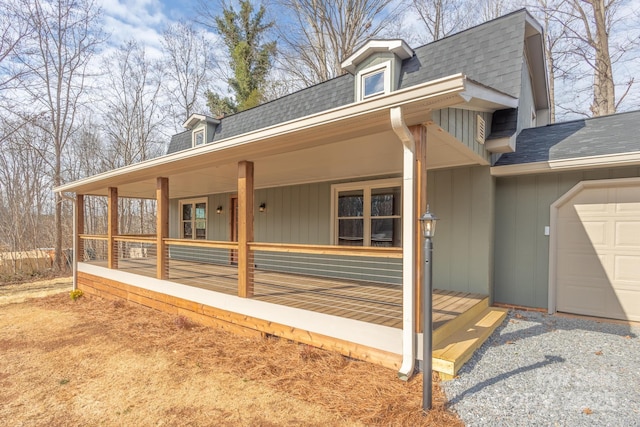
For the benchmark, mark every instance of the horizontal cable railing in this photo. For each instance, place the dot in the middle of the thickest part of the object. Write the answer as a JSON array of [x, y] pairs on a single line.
[[94, 248], [137, 254], [363, 283], [207, 264]]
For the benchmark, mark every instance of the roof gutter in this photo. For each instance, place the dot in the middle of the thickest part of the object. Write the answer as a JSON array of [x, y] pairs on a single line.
[[421, 94], [574, 163], [408, 235]]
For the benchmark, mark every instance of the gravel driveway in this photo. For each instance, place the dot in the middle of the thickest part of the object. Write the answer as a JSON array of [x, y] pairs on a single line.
[[540, 370]]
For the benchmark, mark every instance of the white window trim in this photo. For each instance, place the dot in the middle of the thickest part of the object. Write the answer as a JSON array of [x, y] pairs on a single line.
[[366, 186], [204, 200], [202, 131], [384, 66]]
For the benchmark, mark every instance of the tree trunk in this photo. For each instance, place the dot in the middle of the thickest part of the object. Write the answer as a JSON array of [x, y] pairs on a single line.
[[604, 100]]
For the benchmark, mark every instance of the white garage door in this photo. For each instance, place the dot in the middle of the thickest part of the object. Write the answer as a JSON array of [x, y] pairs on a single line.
[[598, 250]]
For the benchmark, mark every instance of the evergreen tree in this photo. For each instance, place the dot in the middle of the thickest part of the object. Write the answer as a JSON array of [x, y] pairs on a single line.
[[249, 57]]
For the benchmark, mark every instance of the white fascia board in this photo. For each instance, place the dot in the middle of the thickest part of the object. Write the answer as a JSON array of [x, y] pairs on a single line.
[[397, 47], [489, 95], [506, 144], [194, 119], [445, 86], [577, 163]]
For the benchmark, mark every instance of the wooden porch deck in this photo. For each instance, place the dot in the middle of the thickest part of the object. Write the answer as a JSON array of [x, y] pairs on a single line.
[[365, 301]]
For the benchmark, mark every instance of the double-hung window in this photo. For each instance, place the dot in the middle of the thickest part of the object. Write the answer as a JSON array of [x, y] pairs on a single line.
[[193, 219], [368, 213]]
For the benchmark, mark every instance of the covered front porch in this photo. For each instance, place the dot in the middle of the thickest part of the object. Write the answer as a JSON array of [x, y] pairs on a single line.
[[286, 266], [368, 301]]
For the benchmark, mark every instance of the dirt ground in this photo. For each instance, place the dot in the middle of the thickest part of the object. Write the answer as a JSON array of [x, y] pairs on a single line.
[[98, 362]]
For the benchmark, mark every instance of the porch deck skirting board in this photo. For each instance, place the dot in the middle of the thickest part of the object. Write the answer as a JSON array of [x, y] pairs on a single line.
[[361, 340]]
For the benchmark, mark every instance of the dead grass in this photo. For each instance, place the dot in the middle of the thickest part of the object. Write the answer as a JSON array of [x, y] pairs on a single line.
[[95, 362]]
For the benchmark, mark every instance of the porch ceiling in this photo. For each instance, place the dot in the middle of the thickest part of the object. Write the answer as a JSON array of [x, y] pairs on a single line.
[[351, 142]]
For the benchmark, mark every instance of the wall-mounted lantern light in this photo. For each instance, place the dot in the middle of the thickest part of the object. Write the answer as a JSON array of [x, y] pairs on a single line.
[[262, 207], [219, 210]]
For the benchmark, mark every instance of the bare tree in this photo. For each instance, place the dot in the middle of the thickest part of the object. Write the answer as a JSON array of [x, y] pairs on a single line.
[[13, 32], [131, 108], [325, 32], [444, 17], [132, 117], [589, 27], [555, 39], [188, 61], [25, 191], [492, 9], [66, 35]]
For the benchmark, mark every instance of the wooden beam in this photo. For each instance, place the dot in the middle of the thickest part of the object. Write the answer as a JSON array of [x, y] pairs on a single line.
[[79, 255], [245, 228], [162, 227], [419, 133], [112, 227]]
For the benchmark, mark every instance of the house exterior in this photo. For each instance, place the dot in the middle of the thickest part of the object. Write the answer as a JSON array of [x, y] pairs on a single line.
[[299, 217]]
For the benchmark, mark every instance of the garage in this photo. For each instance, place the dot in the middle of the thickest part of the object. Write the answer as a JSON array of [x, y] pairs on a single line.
[[595, 232]]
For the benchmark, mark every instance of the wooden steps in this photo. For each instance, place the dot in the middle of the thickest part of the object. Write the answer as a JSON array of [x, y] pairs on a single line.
[[455, 342]]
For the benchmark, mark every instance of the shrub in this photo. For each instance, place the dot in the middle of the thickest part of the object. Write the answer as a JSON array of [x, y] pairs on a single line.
[[75, 294]]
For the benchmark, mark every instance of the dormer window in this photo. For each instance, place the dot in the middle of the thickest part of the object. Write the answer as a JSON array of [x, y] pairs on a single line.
[[203, 129], [376, 67], [198, 137], [374, 81]]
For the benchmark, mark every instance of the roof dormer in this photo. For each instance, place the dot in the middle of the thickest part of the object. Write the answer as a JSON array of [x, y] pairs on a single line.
[[376, 66], [202, 128]]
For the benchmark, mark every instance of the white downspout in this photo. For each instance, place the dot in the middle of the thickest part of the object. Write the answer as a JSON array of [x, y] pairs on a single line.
[[408, 235], [75, 249]]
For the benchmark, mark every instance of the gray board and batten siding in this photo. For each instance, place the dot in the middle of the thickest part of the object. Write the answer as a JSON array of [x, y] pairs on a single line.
[[463, 200], [521, 268], [523, 202], [462, 125], [298, 214]]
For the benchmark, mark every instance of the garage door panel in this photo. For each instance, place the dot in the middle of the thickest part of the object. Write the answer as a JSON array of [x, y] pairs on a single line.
[[578, 234], [598, 252], [627, 304], [583, 266], [627, 268], [627, 233], [582, 299]]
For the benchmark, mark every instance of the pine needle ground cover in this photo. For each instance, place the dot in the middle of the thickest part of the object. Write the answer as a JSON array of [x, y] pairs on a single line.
[[98, 362]]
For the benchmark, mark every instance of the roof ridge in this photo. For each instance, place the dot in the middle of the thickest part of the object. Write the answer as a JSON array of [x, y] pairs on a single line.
[[482, 24]]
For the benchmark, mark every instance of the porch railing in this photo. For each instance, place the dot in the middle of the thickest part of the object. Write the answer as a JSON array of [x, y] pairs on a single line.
[[94, 248], [211, 264], [363, 281]]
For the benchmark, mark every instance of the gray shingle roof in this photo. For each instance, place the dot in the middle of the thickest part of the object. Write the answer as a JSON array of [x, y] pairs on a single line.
[[490, 54], [324, 96], [598, 136], [180, 141]]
